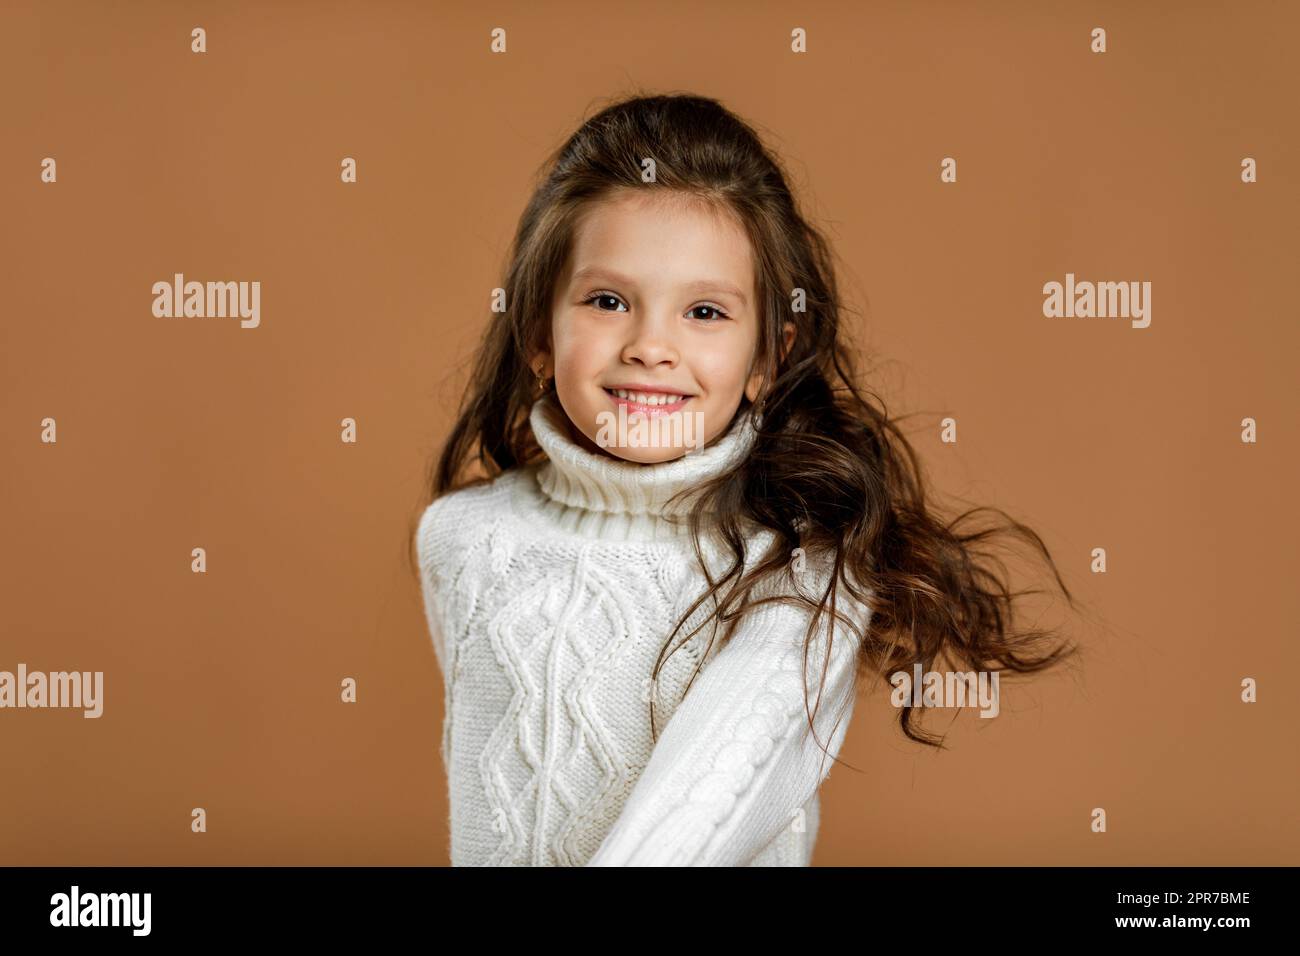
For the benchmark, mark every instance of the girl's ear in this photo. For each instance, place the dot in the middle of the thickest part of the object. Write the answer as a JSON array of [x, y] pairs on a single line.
[[788, 331], [756, 380], [540, 363]]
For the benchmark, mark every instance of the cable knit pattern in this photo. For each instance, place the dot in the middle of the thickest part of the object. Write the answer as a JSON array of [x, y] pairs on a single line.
[[549, 593]]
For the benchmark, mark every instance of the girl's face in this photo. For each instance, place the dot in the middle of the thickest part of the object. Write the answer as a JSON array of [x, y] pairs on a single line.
[[658, 297]]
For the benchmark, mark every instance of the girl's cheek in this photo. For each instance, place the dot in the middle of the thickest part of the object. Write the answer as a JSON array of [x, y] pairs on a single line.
[[582, 348], [724, 368]]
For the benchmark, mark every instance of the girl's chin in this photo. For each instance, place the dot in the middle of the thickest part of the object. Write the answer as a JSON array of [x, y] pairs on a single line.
[[644, 456]]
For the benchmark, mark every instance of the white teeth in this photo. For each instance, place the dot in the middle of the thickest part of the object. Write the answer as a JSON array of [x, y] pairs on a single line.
[[646, 398]]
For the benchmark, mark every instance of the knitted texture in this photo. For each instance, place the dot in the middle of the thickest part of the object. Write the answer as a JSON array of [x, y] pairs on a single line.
[[549, 594]]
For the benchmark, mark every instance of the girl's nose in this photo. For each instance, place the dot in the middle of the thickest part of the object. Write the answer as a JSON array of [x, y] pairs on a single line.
[[651, 343]]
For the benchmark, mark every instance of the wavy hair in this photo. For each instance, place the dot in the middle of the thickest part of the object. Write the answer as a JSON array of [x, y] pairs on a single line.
[[830, 471]]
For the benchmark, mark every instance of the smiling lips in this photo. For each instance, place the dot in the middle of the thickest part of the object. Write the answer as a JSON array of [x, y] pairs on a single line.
[[646, 402]]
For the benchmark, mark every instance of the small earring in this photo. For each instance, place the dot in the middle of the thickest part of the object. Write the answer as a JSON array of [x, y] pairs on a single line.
[[541, 382]]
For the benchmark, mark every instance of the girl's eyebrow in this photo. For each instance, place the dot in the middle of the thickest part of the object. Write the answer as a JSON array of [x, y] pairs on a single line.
[[699, 286]]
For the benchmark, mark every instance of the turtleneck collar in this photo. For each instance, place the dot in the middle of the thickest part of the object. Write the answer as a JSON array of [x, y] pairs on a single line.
[[597, 492]]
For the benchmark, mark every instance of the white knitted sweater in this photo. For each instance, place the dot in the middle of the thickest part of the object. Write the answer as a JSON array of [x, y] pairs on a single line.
[[549, 594]]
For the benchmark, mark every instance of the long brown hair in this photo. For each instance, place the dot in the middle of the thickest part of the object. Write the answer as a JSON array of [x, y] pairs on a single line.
[[830, 471]]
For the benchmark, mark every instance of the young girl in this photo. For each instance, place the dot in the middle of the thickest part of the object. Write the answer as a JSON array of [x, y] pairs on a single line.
[[630, 618]]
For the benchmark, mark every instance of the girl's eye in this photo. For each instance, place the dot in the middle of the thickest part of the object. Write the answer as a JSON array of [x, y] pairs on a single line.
[[603, 295], [596, 297], [718, 316]]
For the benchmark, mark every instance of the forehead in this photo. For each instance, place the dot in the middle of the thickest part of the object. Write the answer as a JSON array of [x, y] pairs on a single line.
[[662, 239]]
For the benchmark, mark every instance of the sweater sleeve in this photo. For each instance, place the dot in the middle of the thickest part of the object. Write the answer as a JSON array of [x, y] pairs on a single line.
[[737, 757], [435, 546], [431, 540]]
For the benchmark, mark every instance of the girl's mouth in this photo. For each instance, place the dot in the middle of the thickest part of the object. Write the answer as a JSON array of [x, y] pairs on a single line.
[[648, 403]]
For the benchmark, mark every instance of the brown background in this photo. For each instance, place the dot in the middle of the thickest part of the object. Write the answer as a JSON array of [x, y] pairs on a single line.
[[221, 690]]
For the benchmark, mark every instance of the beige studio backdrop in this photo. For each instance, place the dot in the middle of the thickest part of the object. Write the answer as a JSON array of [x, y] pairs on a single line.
[[221, 689]]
